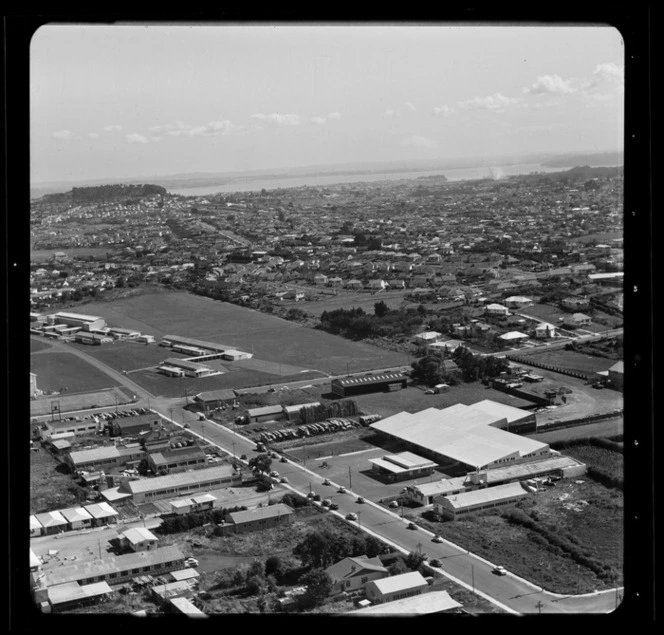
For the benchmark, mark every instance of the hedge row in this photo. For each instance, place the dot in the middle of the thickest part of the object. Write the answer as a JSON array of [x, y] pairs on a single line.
[[555, 541], [184, 522], [598, 442]]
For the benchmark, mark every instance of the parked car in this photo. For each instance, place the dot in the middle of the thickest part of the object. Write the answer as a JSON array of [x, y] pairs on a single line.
[[351, 516], [326, 502], [499, 570], [283, 479], [334, 506], [360, 499], [437, 538], [327, 482], [393, 504], [342, 490], [412, 526]]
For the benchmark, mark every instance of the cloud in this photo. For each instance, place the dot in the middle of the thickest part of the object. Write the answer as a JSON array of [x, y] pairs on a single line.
[[93, 135], [134, 137], [278, 119], [318, 120], [64, 135], [417, 141], [495, 102], [210, 129], [334, 115], [112, 128], [443, 111], [410, 106], [391, 113], [551, 84], [607, 76]]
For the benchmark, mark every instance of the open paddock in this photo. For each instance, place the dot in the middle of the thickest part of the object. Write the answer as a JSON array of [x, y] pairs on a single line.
[[79, 401], [346, 300], [65, 371], [268, 337]]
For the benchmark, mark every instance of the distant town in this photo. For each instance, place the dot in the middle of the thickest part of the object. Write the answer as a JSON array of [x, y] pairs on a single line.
[[385, 397]]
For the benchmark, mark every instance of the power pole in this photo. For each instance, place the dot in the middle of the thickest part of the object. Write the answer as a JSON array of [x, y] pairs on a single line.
[[539, 605], [350, 479], [472, 574]]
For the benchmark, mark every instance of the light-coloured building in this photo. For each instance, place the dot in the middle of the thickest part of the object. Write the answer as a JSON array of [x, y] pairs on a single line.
[[139, 539], [256, 519], [353, 574], [421, 604], [402, 466], [454, 505], [396, 587]]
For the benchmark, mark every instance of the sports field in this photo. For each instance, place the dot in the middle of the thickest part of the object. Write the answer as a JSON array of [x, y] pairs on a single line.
[[67, 372], [267, 337], [346, 300], [571, 360]]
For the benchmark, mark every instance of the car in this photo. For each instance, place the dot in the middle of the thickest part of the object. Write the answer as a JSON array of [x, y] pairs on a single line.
[[437, 538], [499, 570], [310, 495], [334, 506], [186, 425], [243, 457], [271, 390], [191, 562], [283, 479], [360, 499], [342, 490], [327, 502], [327, 482], [283, 459], [429, 392], [393, 504], [316, 498], [412, 526], [274, 474], [351, 516]]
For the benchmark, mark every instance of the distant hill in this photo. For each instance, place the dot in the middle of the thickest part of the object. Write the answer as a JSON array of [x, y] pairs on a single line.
[[572, 160], [106, 192], [587, 172]]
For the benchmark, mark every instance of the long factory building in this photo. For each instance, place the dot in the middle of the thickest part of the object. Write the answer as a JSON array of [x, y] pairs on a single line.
[[471, 437]]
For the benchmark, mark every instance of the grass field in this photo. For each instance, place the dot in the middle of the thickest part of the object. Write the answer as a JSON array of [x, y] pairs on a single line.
[[60, 371], [346, 300], [587, 514], [37, 345], [267, 337]]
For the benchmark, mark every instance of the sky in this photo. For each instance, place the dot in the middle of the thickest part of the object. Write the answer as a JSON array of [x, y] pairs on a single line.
[[113, 101]]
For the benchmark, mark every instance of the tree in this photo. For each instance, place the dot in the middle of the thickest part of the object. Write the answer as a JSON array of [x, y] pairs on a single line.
[[414, 560], [313, 551], [374, 243], [261, 463], [319, 585], [274, 565], [397, 567], [381, 309]]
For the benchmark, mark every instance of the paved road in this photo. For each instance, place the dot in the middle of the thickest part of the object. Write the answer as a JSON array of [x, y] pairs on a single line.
[[510, 593]]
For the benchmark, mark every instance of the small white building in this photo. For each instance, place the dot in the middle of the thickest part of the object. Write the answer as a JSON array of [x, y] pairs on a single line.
[[396, 587], [544, 330], [496, 309], [139, 539]]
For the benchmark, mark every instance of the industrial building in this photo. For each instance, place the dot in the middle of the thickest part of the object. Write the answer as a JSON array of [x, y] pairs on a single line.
[[462, 436], [124, 334], [215, 398], [265, 413], [170, 340], [95, 339], [131, 426], [64, 597], [453, 506], [421, 604], [399, 467], [191, 369], [233, 355], [183, 483], [86, 322], [51, 430], [382, 382], [106, 457], [256, 519], [173, 460], [555, 465], [114, 569]]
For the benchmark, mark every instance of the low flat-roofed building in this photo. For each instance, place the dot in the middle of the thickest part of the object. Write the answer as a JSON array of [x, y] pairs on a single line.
[[124, 334], [169, 340], [256, 519], [348, 386], [104, 457], [182, 483], [77, 517], [396, 587], [71, 594], [85, 337], [131, 426], [87, 322], [117, 569], [175, 460], [52, 429], [233, 355], [516, 420], [215, 398], [422, 604], [178, 589], [171, 371], [265, 413], [191, 369], [189, 574], [183, 605], [139, 539], [293, 412], [406, 465], [456, 505]]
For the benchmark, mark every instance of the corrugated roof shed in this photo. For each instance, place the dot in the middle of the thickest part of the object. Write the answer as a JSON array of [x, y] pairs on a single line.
[[401, 582], [181, 479]]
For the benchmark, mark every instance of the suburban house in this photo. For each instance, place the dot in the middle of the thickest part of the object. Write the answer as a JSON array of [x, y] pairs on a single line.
[[576, 319], [256, 519], [139, 539], [544, 330], [352, 574]]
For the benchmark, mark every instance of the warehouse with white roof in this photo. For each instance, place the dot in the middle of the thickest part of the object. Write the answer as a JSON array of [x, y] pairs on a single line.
[[464, 436]]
